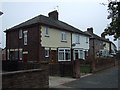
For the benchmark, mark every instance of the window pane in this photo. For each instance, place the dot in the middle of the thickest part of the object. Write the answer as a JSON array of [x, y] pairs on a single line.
[[46, 31], [20, 34], [63, 36], [67, 55], [61, 55], [20, 54], [8, 54], [46, 53], [25, 38], [77, 39], [81, 54], [76, 54], [86, 39]]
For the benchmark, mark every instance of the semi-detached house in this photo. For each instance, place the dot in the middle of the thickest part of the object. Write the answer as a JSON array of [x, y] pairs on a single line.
[[46, 38]]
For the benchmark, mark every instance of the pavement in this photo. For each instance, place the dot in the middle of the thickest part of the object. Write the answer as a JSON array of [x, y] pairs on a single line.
[[57, 81], [104, 79]]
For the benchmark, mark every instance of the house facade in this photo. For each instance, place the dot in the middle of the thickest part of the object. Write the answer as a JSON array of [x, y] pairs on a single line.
[[57, 44], [45, 38], [113, 49], [80, 46], [99, 46]]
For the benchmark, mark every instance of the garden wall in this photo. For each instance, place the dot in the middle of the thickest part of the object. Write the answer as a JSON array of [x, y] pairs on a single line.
[[17, 74], [33, 78], [102, 63], [60, 69]]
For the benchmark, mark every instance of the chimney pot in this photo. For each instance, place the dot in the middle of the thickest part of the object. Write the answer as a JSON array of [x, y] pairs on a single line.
[[90, 30], [53, 14]]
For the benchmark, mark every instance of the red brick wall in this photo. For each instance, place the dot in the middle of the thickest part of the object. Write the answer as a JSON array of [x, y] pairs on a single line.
[[33, 78]]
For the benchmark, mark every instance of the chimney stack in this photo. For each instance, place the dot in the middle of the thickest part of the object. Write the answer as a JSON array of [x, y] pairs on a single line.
[[53, 15], [90, 30]]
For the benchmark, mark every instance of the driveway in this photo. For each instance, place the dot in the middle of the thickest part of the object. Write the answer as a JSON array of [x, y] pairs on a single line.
[[103, 79]]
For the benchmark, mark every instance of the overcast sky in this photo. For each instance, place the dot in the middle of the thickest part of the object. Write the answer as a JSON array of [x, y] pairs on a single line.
[[78, 13]]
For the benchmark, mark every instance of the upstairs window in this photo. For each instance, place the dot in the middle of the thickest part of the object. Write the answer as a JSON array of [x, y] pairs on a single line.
[[63, 36], [77, 39], [25, 37], [46, 31], [20, 34], [87, 39]]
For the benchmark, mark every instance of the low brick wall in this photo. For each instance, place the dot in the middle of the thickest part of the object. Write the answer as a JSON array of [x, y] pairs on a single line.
[[32, 78], [19, 65], [102, 63], [60, 69]]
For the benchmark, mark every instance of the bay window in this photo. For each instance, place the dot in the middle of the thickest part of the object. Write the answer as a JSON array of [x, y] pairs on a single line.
[[64, 54], [79, 54]]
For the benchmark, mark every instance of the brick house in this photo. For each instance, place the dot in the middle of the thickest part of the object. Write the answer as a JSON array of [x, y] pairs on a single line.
[[99, 46], [41, 38]]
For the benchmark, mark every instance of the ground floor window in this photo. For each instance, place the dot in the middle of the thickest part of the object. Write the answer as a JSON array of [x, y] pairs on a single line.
[[64, 54], [8, 54], [20, 54], [46, 53], [13, 55], [79, 54]]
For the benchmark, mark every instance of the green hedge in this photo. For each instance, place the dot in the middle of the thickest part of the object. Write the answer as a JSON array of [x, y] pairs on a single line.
[[85, 69]]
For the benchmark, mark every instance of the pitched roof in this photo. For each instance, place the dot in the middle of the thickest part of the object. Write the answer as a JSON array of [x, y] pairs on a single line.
[[97, 37], [41, 19]]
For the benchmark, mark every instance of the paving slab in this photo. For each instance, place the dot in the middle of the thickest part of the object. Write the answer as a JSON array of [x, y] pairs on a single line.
[[57, 81]]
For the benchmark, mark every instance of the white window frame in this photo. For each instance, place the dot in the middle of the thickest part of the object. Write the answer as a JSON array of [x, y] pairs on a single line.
[[46, 53], [77, 39], [64, 51], [46, 31], [8, 54], [20, 54], [25, 37], [63, 36], [20, 33], [79, 53]]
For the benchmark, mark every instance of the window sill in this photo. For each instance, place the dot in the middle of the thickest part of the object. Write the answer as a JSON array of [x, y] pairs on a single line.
[[25, 44], [64, 41], [63, 60], [20, 37], [77, 43], [47, 36], [47, 56]]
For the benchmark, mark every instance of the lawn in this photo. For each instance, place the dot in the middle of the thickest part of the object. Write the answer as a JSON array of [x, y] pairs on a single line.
[[85, 69]]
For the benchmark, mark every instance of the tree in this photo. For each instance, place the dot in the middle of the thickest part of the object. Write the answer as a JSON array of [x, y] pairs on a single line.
[[114, 14]]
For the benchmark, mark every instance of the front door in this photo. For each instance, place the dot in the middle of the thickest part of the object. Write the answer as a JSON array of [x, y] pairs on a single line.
[[76, 54], [25, 57]]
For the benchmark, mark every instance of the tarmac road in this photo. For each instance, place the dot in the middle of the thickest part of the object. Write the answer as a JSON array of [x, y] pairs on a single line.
[[103, 79]]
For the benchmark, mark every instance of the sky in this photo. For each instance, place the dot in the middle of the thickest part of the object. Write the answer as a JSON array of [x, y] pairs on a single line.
[[81, 14]]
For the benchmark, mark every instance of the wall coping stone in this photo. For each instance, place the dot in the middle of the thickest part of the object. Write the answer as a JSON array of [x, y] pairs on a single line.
[[22, 71]]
